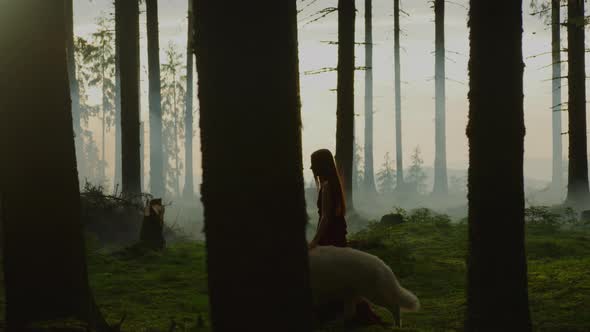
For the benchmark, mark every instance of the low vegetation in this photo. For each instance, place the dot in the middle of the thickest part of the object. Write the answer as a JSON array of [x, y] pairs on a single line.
[[155, 290]]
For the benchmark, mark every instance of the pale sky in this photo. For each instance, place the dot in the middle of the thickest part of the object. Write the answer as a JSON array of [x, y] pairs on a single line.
[[417, 72]]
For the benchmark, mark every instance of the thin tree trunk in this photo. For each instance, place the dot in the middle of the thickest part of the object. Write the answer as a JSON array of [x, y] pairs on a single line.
[[105, 110], [129, 62], [557, 174], [398, 98], [577, 190], [441, 185], [345, 97], [250, 115], [74, 88], [369, 178], [188, 118], [45, 270], [497, 294], [118, 22], [155, 97]]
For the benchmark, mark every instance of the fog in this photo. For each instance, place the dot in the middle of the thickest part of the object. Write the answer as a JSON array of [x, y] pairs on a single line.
[[319, 100]]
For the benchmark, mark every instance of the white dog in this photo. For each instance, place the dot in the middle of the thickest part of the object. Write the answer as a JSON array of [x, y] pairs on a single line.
[[347, 275]]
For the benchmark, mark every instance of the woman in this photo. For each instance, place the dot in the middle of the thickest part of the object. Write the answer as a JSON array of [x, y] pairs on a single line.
[[331, 230]]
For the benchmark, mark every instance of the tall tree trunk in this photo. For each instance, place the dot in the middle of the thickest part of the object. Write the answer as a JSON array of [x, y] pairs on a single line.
[[441, 184], [45, 270], [118, 22], [257, 90], [74, 88], [577, 181], [398, 99], [155, 97], [557, 171], [497, 294], [105, 111], [188, 118], [345, 96], [129, 68], [369, 178], [141, 154]]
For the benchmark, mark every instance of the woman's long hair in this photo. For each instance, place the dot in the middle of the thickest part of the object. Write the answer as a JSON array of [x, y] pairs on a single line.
[[325, 166]]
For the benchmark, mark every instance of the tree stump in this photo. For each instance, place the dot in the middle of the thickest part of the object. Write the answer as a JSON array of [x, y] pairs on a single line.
[[151, 234]]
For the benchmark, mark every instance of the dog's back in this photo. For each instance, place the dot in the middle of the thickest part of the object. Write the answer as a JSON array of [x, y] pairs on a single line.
[[347, 274]]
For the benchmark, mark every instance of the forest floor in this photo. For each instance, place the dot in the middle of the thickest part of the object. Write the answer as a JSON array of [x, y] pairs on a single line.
[[427, 253]]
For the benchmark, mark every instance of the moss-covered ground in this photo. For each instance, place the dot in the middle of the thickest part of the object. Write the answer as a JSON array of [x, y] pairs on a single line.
[[428, 256]]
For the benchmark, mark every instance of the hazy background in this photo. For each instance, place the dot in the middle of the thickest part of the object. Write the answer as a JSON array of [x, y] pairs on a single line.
[[417, 73]]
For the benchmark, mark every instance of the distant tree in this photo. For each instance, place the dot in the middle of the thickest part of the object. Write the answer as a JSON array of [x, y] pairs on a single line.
[[44, 263], [157, 186], [441, 185], [358, 170], [458, 184], [496, 262], [369, 179], [99, 53], [345, 97], [91, 166], [173, 112], [416, 177], [129, 67], [386, 176], [118, 41], [551, 9], [250, 124], [189, 190], [398, 98], [577, 183]]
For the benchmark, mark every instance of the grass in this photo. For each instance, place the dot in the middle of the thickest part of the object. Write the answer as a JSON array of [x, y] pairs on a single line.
[[426, 253]]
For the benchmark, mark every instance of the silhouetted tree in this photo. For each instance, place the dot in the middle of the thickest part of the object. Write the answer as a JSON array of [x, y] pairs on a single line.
[[189, 190], [577, 180], [74, 90], [398, 97], [416, 177], [129, 68], [45, 271], [345, 96], [118, 111], [551, 10], [496, 263], [369, 179], [155, 97], [441, 184], [250, 124]]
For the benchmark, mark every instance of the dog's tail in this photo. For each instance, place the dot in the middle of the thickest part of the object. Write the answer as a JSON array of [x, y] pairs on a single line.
[[407, 300]]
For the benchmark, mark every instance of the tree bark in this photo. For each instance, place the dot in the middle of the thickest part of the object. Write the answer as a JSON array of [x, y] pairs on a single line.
[[398, 99], [345, 97], [369, 178], [497, 295], [250, 116], [155, 98], [129, 68], [577, 189], [557, 170], [441, 184], [45, 270], [189, 190], [118, 162]]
